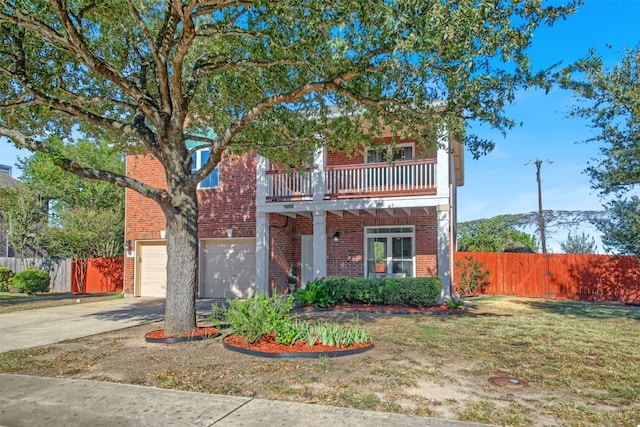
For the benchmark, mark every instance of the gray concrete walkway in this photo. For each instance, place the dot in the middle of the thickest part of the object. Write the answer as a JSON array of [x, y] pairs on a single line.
[[44, 326], [51, 402]]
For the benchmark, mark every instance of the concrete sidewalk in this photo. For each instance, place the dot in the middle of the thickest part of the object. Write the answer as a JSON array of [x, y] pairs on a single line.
[[52, 402]]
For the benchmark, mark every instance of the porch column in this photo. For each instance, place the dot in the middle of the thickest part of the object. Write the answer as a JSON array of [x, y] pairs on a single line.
[[444, 251], [442, 164], [317, 177], [262, 252], [262, 186], [319, 244]]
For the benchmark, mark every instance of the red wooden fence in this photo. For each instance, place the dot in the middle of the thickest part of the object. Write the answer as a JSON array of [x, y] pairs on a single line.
[[563, 276], [101, 275]]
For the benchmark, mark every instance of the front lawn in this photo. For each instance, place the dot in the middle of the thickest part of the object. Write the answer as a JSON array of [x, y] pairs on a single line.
[[580, 362]]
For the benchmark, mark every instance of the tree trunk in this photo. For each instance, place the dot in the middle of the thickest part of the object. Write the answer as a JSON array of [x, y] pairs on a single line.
[[182, 258]]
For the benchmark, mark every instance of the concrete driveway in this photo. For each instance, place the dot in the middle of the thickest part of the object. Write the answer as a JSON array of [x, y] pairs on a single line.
[[44, 326]]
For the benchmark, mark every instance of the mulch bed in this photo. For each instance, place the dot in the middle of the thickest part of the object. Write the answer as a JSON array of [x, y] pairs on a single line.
[[268, 347], [372, 308]]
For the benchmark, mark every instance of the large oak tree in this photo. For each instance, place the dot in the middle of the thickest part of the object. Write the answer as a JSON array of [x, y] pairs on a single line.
[[279, 77]]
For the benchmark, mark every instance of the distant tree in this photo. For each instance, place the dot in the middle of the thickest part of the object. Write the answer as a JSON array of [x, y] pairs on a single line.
[[24, 221], [497, 234], [86, 216], [621, 227], [610, 99], [579, 244]]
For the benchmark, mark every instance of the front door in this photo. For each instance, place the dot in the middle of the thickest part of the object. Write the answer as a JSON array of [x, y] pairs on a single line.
[[390, 251]]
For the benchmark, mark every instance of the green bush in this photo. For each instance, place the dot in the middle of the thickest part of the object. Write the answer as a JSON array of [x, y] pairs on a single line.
[[473, 277], [257, 316], [6, 277], [410, 291], [31, 281]]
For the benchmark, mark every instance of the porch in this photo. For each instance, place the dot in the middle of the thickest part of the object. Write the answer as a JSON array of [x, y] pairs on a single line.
[[402, 178]]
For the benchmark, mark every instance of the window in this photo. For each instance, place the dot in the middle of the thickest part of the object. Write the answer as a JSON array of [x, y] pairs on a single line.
[[390, 251], [199, 158], [398, 175], [398, 153]]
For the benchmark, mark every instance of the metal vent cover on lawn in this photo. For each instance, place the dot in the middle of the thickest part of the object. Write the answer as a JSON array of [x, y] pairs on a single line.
[[509, 382]]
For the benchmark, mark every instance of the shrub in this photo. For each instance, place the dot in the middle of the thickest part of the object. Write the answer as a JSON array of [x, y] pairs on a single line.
[[257, 316], [31, 281], [6, 277], [410, 291], [473, 277]]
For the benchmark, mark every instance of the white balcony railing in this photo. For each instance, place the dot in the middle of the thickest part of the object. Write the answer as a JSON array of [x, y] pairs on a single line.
[[356, 181]]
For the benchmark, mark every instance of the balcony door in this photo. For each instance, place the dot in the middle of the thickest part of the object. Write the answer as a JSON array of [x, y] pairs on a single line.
[[390, 251]]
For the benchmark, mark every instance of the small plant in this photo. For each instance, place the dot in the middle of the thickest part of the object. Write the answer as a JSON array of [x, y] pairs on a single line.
[[455, 304], [6, 278], [32, 281], [315, 294], [473, 277]]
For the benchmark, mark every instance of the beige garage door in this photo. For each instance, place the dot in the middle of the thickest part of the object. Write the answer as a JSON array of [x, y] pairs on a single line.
[[152, 269], [227, 268]]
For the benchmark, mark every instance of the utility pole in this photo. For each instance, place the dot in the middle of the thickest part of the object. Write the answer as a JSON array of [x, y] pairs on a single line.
[[543, 239]]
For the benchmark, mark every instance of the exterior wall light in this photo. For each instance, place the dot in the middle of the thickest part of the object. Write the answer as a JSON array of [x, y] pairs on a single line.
[[336, 236], [229, 232]]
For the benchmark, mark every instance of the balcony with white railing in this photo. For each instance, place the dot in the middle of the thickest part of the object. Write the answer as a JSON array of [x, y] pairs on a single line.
[[402, 178]]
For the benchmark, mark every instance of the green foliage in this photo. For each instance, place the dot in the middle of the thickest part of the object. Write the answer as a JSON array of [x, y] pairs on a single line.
[[473, 276], [31, 281], [315, 294], [410, 291], [86, 217], [621, 227], [6, 278], [260, 315], [497, 234], [579, 244], [332, 334], [24, 214], [610, 100], [257, 316]]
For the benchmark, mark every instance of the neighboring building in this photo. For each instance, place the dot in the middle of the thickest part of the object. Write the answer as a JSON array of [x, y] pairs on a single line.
[[5, 182], [350, 216]]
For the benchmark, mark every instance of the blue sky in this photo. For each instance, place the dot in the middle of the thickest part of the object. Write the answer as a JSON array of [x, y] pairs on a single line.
[[501, 183]]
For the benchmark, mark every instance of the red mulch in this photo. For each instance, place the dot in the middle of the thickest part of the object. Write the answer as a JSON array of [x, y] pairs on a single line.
[[199, 332], [268, 344]]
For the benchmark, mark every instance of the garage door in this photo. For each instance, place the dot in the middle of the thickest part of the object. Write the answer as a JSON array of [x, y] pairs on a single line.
[[152, 270], [227, 268]]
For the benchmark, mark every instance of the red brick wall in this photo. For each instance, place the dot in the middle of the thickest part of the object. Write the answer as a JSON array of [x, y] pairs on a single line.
[[281, 255], [232, 204], [346, 257]]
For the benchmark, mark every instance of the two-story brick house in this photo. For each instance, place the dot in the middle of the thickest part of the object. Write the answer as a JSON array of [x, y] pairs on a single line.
[[354, 216]]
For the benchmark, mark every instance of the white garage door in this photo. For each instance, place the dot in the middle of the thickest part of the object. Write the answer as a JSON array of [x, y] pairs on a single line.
[[152, 269], [227, 268]]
